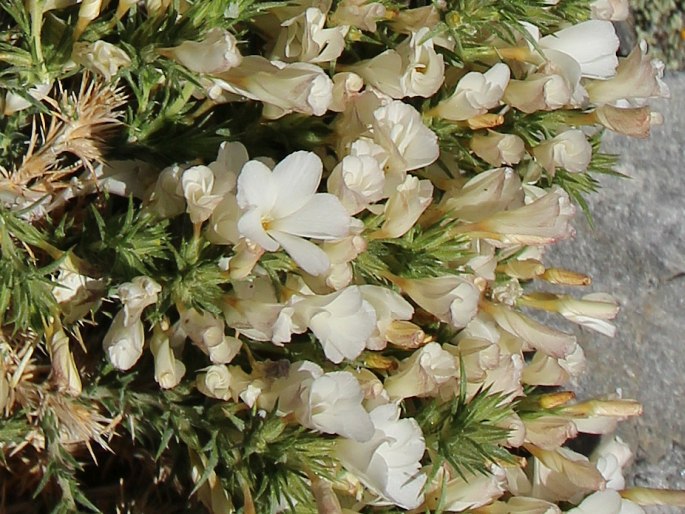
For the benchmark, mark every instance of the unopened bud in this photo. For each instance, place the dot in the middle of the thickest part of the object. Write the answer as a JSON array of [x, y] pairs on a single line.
[[647, 496], [565, 277], [616, 408], [405, 334], [523, 270]]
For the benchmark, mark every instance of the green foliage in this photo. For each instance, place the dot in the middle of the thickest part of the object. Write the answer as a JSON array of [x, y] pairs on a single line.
[[125, 245], [467, 434], [26, 299]]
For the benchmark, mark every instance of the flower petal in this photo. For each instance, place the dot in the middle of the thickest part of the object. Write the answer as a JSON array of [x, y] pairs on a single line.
[[250, 226], [256, 187], [322, 217], [296, 177], [306, 254]]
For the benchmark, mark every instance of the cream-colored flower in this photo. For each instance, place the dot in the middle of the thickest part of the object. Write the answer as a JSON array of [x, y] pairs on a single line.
[[123, 342], [283, 88], [539, 92], [207, 332], [346, 86], [168, 369], [100, 57], [638, 77], [606, 502], [15, 102], [358, 180], [328, 402], [342, 321], [450, 298], [136, 295], [397, 127], [303, 38], [64, 371], [166, 198], [592, 44], [404, 207], [389, 307], [216, 53], [569, 150], [476, 93], [362, 14], [463, 493], [197, 184], [422, 374], [497, 149], [389, 464], [281, 208], [611, 10], [215, 382]]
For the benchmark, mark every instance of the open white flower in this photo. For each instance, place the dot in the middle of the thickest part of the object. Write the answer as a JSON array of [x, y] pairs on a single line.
[[389, 463], [422, 374], [592, 44], [100, 57], [405, 206], [389, 307], [281, 208]]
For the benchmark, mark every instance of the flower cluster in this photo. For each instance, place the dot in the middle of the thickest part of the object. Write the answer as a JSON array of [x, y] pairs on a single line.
[[343, 207]]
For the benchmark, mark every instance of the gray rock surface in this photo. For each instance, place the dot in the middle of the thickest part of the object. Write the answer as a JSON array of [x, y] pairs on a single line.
[[636, 252]]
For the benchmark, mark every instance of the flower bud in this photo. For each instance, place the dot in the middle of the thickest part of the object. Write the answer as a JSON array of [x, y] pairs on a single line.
[[197, 184], [64, 371], [216, 53], [497, 149], [100, 57], [168, 370], [123, 343], [215, 382], [569, 150], [422, 374]]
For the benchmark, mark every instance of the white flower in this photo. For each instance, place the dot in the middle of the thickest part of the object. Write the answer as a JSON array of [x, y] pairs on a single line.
[[422, 374], [389, 464], [216, 53], [136, 295], [475, 94], [15, 102], [450, 298], [304, 39], [606, 502], [166, 198], [123, 343], [404, 207], [215, 382], [592, 44], [330, 403], [413, 68], [389, 307], [497, 149], [284, 88], [638, 77], [77, 294], [612, 10], [64, 371], [346, 86], [358, 180], [398, 128], [359, 13], [207, 332], [610, 457], [460, 494], [197, 184], [342, 321], [168, 369], [539, 92], [569, 150], [100, 57], [592, 311], [281, 207]]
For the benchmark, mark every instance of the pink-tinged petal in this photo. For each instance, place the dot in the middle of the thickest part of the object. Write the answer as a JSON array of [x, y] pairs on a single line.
[[296, 178], [306, 254], [250, 226], [256, 187], [322, 217]]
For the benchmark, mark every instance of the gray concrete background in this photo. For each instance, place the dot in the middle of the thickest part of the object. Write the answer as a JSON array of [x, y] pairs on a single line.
[[636, 252]]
